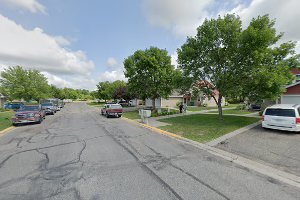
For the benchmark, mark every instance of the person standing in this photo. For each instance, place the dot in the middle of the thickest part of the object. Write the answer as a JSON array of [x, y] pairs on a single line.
[[180, 108]]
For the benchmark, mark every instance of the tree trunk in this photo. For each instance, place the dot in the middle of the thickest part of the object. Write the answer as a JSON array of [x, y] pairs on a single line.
[[153, 105], [220, 106]]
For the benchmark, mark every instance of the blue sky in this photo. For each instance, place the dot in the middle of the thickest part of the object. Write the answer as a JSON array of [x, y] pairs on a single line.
[[84, 42]]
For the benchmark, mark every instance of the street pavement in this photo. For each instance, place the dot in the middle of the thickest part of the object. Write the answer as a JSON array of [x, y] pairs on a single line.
[[279, 149], [79, 154]]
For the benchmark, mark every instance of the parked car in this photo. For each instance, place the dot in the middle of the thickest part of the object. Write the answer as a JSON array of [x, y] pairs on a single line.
[[112, 110], [254, 107], [61, 104], [13, 105], [124, 103], [282, 117], [54, 101], [49, 108], [29, 114]]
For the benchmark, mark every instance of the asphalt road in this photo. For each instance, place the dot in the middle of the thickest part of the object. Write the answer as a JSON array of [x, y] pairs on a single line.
[[279, 149], [78, 154]]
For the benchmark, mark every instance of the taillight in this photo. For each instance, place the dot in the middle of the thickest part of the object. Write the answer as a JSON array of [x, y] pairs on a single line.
[[297, 120], [263, 118]]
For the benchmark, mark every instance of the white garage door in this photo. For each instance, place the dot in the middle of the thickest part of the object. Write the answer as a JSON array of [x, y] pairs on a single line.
[[290, 100]]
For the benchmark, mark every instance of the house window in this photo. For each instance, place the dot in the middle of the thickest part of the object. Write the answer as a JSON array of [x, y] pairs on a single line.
[[297, 77]]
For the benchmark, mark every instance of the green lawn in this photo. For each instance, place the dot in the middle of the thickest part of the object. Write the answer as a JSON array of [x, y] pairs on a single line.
[[96, 104], [234, 111], [203, 127], [5, 119], [132, 115], [199, 108]]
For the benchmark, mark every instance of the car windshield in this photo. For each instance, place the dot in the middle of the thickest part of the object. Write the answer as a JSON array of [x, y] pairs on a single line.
[[280, 112], [115, 106], [47, 104], [29, 108]]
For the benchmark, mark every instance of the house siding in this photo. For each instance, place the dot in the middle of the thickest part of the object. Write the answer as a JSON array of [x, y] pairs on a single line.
[[171, 101], [293, 90]]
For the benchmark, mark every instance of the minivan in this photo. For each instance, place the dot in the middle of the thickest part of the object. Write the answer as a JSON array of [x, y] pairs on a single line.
[[282, 117]]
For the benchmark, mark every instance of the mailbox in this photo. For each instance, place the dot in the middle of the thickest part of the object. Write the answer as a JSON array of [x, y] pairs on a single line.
[[147, 113]]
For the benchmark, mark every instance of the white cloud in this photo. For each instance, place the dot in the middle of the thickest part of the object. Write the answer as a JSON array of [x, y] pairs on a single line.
[[62, 41], [57, 81], [30, 5], [112, 62], [285, 12], [112, 75], [180, 16], [174, 58], [35, 48]]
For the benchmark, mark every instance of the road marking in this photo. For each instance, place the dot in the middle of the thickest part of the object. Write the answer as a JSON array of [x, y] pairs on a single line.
[[5, 131], [279, 175]]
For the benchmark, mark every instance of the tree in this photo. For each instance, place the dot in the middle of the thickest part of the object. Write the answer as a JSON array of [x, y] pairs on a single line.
[[19, 83], [150, 73], [236, 62], [123, 92], [106, 90], [57, 92], [103, 91]]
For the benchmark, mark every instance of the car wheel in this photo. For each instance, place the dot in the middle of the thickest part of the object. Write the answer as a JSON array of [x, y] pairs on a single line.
[[40, 120], [14, 124], [107, 115], [119, 116]]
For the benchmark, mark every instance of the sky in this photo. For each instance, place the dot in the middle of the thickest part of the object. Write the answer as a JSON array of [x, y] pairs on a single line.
[[78, 43]]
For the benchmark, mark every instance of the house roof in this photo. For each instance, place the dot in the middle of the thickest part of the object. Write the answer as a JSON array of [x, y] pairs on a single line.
[[295, 71], [204, 83], [293, 84]]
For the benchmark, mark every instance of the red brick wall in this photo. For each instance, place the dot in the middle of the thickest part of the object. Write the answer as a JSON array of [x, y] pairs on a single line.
[[293, 90]]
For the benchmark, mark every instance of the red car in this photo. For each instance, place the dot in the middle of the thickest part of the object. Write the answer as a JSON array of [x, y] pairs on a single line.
[[29, 114], [112, 110]]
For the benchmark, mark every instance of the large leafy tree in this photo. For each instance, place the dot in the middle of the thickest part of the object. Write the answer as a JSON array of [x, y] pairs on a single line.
[[19, 83], [150, 73], [107, 90], [222, 57]]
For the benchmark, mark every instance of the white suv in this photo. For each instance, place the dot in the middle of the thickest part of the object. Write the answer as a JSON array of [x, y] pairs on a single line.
[[282, 117]]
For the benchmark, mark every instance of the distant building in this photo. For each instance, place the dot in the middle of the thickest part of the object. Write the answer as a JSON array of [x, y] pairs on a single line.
[[292, 94], [3, 100]]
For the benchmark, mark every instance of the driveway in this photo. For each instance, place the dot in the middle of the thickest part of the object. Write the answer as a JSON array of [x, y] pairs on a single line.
[[279, 149], [78, 154]]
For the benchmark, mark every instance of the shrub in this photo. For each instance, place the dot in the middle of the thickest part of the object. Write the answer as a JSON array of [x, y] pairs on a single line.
[[178, 103], [241, 107], [4, 109]]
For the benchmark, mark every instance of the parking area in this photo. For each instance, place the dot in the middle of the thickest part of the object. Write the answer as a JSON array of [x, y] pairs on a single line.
[[279, 149]]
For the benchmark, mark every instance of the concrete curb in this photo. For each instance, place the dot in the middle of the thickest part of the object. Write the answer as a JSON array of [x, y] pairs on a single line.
[[5, 131], [232, 134], [271, 172]]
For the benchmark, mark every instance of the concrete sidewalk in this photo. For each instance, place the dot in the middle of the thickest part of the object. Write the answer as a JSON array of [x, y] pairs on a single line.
[[153, 121]]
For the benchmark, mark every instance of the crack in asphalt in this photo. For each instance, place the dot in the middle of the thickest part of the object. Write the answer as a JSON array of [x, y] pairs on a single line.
[[187, 173], [163, 161], [148, 170]]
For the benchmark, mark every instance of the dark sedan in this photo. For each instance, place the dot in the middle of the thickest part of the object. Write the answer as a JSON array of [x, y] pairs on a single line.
[[13, 106]]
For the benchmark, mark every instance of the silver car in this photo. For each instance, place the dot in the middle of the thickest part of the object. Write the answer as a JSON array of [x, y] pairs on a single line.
[[49, 108]]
